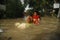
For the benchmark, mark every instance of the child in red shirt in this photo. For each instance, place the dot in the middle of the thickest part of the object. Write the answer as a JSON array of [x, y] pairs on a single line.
[[35, 18]]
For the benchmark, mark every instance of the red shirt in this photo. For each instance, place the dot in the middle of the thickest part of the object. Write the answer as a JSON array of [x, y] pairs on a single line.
[[35, 17]]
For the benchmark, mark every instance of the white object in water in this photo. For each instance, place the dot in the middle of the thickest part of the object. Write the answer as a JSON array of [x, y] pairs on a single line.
[[22, 25], [1, 30], [17, 24]]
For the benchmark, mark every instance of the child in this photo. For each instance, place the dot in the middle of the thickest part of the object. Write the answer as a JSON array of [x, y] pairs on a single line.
[[35, 18], [28, 19]]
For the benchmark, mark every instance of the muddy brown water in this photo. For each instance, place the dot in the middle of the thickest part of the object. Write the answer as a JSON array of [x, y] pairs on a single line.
[[35, 32]]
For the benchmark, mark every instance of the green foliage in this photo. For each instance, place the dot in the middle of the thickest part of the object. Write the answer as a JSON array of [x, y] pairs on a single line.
[[39, 5], [14, 8]]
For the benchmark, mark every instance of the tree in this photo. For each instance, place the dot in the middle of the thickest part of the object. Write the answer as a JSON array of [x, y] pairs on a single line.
[[39, 5], [14, 8]]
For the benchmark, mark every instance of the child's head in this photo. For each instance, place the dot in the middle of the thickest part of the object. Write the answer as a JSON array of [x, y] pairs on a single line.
[[35, 13]]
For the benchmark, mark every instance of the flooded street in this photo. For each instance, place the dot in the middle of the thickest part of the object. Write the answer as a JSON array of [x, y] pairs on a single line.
[[35, 32]]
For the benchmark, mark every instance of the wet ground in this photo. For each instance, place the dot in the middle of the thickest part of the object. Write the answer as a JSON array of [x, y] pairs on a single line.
[[35, 32]]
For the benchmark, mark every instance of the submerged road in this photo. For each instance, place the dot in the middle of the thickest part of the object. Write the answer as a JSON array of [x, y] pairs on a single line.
[[47, 26]]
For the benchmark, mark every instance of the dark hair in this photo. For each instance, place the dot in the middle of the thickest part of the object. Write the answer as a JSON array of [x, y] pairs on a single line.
[[37, 12]]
